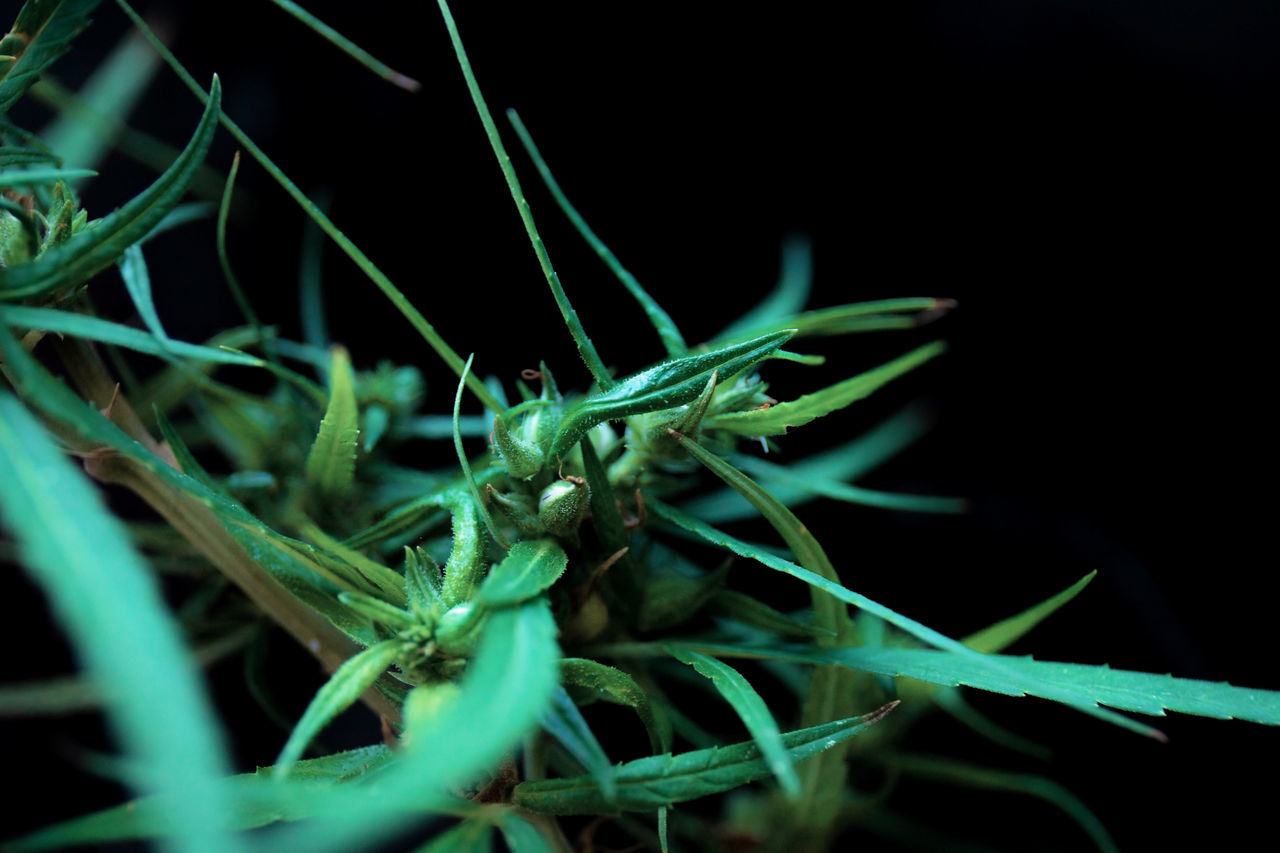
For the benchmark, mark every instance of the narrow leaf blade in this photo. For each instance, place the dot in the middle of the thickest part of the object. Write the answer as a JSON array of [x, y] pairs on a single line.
[[748, 705], [340, 692], [662, 780], [97, 246], [105, 597]]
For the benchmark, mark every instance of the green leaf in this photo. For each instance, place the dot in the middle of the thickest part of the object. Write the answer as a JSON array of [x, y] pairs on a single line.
[[466, 465], [98, 245], [14, 156], [661, 780], [731, 604], [340, 692], [787, 298], [349, 47], [377, 276], [522, 836], [107, 332], [469, 836], [585, 348], [41, 34], [664, 386], [110, 94], [503, 696], [905, 313], [661, 321], [331, 464], [528, 570], [38, 177], [588, 679], [672, 589], [377, 579], [776, 420], [137, 281], [844, 462], [564, 722], [224, 257], [748, 705], [1079, 686], [817, 485], [967, 775], [1006, 632], [815, 580], [104, 596], [254, 801]]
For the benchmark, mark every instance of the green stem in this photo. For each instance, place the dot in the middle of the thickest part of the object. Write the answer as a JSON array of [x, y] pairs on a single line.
[[377, 276], [585, 348]]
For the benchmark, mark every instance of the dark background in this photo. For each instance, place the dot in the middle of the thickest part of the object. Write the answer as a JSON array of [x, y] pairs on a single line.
[[1094, 183]]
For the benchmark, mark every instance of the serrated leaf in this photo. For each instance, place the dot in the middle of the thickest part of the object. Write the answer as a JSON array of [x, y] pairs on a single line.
[[528, 570], [1080, 686], [844, 462], [98, 245], [503, 695], [340, 692], [331, 464], [663, 386], [661, 321], [662, 780], [103, 594], [588, 679], [753, 712], [41, 34], [564, 722], [950, 771], [815, 580], [777, 419]]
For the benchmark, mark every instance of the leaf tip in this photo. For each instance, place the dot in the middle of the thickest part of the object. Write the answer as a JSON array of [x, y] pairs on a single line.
[[880, 713]]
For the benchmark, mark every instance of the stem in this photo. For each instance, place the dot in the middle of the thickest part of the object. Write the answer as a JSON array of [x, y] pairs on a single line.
[[201, 528]]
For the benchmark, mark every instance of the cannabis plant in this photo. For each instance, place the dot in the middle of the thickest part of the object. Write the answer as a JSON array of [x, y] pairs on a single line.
[[580, 550]]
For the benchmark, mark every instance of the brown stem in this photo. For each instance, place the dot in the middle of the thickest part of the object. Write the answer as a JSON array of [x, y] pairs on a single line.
[[200, 526]]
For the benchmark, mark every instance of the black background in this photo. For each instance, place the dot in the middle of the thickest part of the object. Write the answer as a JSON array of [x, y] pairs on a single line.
[[1094, 183]]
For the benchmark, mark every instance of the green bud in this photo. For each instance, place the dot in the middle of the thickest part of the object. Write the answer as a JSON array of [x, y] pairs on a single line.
[[520, 509], [562, 505], [16, 244], [522, 457], [459, 629]]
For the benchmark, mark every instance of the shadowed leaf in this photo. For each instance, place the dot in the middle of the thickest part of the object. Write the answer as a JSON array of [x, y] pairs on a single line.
[[99, 244]]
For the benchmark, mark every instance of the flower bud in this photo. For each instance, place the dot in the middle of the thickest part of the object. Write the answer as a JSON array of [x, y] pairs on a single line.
[[562, 505]]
